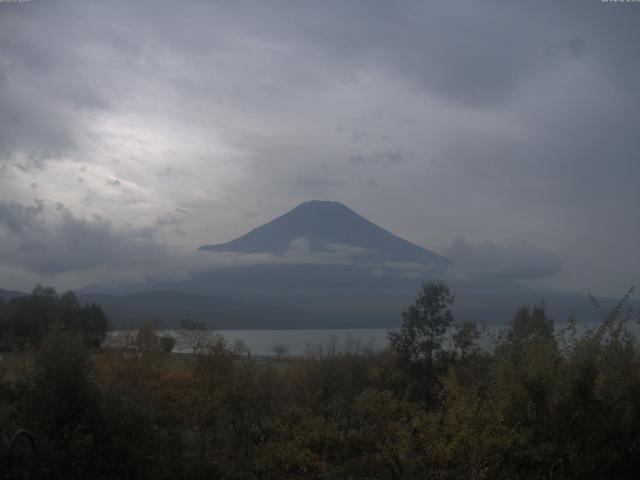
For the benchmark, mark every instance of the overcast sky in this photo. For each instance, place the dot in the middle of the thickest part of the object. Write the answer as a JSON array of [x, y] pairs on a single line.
[[132, 132]]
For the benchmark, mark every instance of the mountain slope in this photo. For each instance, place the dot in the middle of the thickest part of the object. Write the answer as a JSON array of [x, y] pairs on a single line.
[[327, 226]]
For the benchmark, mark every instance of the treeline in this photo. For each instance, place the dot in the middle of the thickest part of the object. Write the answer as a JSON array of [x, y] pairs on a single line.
[[539, 404], [26, 320]]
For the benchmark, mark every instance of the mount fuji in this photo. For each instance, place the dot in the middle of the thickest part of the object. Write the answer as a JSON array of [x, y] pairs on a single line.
[[320, 265], [327, 227]]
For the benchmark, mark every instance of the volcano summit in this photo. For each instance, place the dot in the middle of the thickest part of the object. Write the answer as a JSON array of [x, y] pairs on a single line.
[[326, 227]]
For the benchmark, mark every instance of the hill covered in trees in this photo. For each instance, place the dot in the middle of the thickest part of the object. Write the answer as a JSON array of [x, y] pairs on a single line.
[[26, 319]]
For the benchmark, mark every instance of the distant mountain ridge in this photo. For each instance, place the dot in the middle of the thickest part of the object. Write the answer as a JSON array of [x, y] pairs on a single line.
[[7, 295], [327, 226], [380, 276], [170, 307], [377, 276]]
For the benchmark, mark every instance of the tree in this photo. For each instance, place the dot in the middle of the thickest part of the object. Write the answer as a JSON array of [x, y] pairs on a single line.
[[465, 337], [94, 324], [279, 349], [527, 324], [31, 316], [88, 319], [240, 347], [425, 324], [194, 333], [61, 404], [167, 343], [146, 338], [419, 340], [5, 331], [28, 319]]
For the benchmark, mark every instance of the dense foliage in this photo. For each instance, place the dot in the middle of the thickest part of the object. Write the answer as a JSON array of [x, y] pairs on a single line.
[[25, 321], [538, 404]]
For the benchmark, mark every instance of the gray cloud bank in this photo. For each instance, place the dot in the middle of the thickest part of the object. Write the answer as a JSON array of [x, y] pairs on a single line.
[[510, 121], [48, 239], [518, 261]]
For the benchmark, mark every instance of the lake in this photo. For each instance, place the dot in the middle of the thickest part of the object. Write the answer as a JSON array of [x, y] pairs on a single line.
[[288, 342], [299, 342]]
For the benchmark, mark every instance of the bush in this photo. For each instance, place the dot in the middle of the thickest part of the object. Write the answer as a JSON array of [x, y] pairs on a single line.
[[167, 343]]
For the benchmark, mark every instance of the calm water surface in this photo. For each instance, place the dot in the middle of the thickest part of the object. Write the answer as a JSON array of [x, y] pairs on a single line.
[[286, 342], [301, 342]]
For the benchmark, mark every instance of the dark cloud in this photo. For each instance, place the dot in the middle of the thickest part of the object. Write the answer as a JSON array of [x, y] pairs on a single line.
[[17, 218], [529, 108], [48, 239], [518, 261], [480, 55]]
